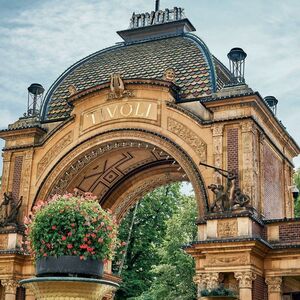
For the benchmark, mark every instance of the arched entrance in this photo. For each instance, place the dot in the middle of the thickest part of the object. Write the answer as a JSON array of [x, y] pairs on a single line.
[[122, 165]]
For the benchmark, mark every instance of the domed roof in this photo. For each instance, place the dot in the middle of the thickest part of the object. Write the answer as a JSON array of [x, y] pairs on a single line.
[[197, 73]]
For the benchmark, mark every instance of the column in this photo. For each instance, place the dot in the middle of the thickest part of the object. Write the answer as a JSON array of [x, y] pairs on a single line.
[[29, 295], [211, 280], [245, 284], [201, 285], [274, 287], [204, 281], [10, 288]]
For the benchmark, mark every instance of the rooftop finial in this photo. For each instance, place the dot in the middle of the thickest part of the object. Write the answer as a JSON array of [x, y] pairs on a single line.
[[157, 5]]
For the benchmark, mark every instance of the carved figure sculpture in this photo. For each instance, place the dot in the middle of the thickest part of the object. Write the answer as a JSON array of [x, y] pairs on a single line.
[[240, 200], [9, 210], [223, 195], [116, 85]]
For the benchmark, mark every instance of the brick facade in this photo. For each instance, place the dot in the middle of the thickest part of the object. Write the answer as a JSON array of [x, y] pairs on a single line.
[[259, 289], [233, 150], [18, 163], [289, 233], [273, 185]]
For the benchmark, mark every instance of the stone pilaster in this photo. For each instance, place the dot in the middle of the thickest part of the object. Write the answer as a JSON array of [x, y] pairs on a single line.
[[10, 288], [245, 279], [211, 280], [217, 133], [250, 162], [5, 171], [274, 287], [199, 281]]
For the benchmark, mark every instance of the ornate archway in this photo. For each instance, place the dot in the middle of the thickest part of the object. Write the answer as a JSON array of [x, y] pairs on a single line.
[[120, 166]]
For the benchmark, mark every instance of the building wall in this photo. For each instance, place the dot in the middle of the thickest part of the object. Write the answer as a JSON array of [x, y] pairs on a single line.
[[273, 184]]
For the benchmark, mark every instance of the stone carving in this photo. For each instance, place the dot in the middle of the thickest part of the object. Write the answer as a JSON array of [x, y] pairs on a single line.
[[169, 75], [72, 89], [10, 285], [189, 137], [117, 88], [53, 152], [217, 260], [245, 279], [227, 228], [9, 210], [3, 242], [274, 284]]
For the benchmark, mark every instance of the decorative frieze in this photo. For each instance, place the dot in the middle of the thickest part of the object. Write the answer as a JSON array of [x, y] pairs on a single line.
[[189, 136], [227, 228]]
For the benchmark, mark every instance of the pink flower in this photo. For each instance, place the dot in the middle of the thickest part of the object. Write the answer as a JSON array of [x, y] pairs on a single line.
[[45, 254], [85, 239], [81, 257], [63, 238], [83, 246], [69, 246], [73, 225], [70, 233], [93, 235], [100, 240], [53, 227], [123, 244], [90, 249]]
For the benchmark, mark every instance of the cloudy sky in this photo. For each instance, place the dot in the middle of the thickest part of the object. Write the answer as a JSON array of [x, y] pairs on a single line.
[[40, 39]]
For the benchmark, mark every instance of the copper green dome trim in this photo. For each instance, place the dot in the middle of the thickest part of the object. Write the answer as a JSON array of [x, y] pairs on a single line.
[[56, 83], [208, 56]]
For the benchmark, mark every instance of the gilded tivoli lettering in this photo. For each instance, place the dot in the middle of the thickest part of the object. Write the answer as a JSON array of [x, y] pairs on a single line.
[[115, 111]]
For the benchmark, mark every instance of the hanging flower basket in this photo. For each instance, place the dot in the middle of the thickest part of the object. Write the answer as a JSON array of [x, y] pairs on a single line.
[[70, 235]]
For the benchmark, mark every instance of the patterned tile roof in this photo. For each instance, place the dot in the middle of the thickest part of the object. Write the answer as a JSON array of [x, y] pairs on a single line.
[[198, 74]]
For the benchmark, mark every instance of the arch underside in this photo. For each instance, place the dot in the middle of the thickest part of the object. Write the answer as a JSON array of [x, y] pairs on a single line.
[[121, 170]]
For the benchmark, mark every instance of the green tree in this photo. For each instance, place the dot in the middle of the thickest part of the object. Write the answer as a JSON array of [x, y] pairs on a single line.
[[297, 201], [147, 235], [173, 277]]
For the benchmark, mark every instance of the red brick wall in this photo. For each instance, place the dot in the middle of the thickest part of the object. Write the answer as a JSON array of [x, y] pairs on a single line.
[[273, 187], [289, 233], [17, 177], [259, 289], [233, 150]]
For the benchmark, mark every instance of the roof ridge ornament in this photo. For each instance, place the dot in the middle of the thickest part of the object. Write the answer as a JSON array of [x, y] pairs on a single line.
[[117, 87], [156, 17]]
